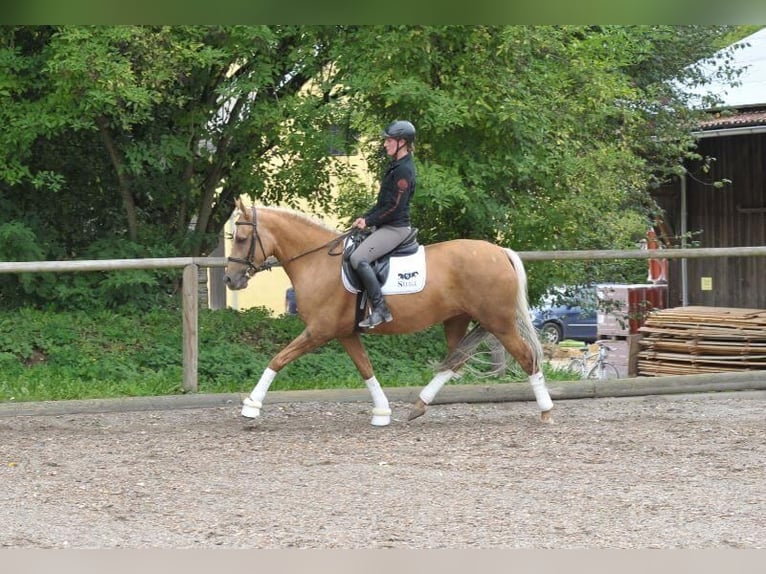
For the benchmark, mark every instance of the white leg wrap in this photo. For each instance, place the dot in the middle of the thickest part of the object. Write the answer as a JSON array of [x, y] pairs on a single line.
[[440, 379], [541, 391], [381, 411], [251, 409], [251, 406]]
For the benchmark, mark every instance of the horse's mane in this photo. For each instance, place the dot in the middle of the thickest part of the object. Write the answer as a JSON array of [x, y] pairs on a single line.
[[299, 216]]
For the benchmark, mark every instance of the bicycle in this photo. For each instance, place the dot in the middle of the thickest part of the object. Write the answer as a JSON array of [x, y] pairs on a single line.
[[594, 365]]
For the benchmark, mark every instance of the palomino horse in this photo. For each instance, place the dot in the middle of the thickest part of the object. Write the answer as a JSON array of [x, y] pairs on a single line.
[[467, 280]]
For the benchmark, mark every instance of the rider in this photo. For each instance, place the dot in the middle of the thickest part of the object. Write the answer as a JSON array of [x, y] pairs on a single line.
[[390, 216]]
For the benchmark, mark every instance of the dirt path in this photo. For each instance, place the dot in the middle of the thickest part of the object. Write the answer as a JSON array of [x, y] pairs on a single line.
[[680, 471]]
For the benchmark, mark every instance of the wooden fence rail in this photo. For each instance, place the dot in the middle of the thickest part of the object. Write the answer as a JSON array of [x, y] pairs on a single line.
[[108, 264], [191, 265], [689, 253]]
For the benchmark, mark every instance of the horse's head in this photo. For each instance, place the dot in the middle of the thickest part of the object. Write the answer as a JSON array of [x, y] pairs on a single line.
[[249, 249]]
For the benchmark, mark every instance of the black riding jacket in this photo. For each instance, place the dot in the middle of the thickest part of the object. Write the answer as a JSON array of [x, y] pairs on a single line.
[[396, 189]]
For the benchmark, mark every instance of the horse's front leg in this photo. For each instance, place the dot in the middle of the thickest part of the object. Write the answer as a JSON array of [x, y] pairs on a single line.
[[304, 343], [381, 411]]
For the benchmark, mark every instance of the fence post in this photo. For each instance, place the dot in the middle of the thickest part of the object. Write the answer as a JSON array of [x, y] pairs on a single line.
[[190, 320]]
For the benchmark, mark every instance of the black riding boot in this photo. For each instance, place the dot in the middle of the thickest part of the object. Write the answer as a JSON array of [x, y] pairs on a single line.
[[380, 311]]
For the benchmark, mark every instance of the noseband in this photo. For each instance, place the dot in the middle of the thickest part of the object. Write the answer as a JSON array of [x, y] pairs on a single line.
[[251, 268]]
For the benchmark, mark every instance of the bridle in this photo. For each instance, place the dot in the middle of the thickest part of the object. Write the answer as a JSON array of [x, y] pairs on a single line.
[[267, 265], [254, 237]]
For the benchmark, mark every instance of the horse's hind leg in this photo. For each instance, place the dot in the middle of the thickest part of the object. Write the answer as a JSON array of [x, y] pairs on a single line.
[[454, 330], [521, 350]]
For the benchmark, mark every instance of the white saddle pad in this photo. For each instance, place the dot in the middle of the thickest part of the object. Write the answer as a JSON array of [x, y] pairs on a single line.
[[406, 274]]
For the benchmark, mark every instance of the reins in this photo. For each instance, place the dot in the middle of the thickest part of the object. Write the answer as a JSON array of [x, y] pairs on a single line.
[[332, 244], [268, 265]]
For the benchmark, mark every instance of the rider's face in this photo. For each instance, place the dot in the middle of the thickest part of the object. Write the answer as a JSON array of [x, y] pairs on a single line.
[[390, 145]]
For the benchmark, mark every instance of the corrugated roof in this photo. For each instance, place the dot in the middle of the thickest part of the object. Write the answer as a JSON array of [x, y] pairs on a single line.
[[735, 120]]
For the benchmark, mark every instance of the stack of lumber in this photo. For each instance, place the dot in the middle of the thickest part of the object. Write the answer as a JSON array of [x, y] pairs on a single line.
[[696, 340]]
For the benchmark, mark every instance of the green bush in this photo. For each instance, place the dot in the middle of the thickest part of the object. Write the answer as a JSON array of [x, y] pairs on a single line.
[[122, 289], [47, 355]]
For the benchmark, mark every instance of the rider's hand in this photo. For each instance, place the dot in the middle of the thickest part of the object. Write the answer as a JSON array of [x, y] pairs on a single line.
[[360, 223]]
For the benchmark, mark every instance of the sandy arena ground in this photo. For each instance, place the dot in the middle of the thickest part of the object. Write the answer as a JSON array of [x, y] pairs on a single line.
[[678, 471]]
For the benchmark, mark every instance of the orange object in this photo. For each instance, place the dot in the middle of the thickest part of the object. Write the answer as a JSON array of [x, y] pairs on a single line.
[[658, 268]]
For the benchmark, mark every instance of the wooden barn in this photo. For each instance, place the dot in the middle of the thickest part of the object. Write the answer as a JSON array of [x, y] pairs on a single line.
[[733, 215]]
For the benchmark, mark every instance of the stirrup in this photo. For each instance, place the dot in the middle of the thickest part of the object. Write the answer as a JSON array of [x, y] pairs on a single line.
[[376, 318]]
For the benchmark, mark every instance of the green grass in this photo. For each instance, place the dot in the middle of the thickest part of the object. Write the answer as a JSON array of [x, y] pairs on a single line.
[[77, 355]]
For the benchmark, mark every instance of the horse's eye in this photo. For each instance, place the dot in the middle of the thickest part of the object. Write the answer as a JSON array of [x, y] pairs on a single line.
[[240, 239]]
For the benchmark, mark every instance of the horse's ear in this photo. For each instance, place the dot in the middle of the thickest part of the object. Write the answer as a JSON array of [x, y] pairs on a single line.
[[242, 210]]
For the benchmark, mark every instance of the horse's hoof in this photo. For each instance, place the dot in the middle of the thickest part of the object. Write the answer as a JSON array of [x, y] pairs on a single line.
[[546, 417], [251, 409], [417, 410], [381, 417]]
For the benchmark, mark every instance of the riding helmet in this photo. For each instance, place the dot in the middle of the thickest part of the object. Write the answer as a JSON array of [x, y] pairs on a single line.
[[400, 129]]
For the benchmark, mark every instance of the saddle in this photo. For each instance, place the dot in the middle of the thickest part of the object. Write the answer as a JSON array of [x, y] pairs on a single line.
[[382, 266]]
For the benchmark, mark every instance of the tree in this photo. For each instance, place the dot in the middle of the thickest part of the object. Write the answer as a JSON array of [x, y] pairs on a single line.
[[175, 121], [539, 137], [136, 139]]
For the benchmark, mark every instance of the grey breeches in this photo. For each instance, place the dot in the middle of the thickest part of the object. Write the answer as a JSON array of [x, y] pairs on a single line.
[[380, 242]]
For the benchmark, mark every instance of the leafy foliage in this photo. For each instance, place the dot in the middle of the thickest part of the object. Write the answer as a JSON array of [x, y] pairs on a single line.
[[17, 243], [539, 137], [78, 354], [47, 355]]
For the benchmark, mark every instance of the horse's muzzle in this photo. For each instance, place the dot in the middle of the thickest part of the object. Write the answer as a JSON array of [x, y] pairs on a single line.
[[236, 281]]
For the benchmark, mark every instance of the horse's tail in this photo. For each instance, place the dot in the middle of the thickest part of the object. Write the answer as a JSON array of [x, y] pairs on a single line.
[[523, 314], [466, 348]]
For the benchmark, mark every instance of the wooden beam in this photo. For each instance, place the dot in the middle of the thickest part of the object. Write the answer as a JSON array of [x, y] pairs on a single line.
[[190, 324]]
